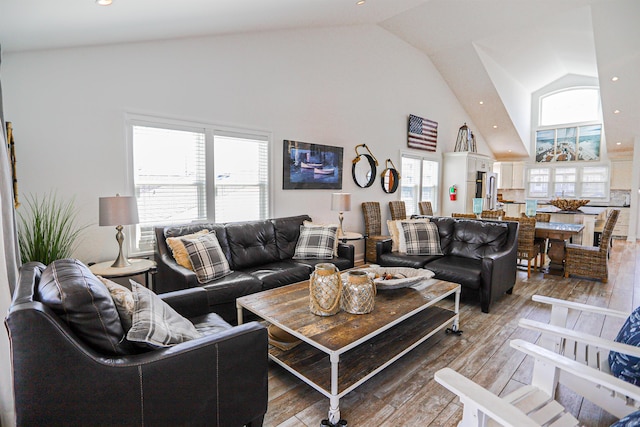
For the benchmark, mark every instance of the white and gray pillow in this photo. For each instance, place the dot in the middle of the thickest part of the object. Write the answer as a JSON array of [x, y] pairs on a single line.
[[316, 242], [207, 257], [422, 238], [154, 323]]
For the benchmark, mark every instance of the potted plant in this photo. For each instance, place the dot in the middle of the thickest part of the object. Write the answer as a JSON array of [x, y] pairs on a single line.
[[47, 230]]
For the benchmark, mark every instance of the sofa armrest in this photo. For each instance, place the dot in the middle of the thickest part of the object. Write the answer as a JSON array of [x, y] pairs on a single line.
[[348, 252], [383, 247], [171, 276], [189, 303]]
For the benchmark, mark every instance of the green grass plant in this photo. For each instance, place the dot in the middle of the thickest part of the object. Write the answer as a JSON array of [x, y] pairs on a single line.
[[47, 230]]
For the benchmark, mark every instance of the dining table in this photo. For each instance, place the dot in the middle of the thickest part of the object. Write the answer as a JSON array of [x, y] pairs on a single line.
[[556, 234]]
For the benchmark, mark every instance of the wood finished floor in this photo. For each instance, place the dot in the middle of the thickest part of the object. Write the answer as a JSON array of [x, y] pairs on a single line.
[[405, 394]]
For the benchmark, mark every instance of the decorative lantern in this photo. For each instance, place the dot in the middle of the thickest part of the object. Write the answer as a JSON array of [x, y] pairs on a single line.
[[466, 140], [358, 295], [325, 290]]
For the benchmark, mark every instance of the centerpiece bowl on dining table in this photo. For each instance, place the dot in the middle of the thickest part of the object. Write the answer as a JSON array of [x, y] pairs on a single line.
[[569, 204]]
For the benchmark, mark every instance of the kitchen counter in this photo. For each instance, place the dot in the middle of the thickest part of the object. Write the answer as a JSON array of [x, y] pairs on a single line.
[[584, 210]]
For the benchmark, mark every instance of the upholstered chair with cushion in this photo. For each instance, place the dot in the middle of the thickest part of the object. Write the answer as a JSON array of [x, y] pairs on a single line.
[[372, 229], [398, 210], [87, 351], [425, 208], [591, 261]]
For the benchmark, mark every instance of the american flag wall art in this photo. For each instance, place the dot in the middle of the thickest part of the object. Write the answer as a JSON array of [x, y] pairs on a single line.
[[423, 133]]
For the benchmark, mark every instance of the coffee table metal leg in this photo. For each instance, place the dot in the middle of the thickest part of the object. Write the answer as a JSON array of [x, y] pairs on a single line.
[[239, 308], [334, 401]]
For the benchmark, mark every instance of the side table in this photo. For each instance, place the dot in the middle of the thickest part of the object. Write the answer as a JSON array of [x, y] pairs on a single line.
[[349, 235], [138, 266]]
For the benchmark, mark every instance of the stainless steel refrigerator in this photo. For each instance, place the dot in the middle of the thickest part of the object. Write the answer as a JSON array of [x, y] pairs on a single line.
[[487, 190]]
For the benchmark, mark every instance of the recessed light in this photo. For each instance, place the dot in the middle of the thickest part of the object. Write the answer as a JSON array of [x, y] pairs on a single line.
[[481, 102], [495, 126], [361, 2], [616, 111], [614, 78], [509, 150], [103, 2], [618, 143]]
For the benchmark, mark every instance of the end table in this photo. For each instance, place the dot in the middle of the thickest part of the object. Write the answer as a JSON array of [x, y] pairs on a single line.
[[138, 266]]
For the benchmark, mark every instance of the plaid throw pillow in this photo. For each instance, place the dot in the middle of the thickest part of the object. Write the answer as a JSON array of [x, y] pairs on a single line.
[[155, 323], [207, 257], [422, 238], [316, 242]]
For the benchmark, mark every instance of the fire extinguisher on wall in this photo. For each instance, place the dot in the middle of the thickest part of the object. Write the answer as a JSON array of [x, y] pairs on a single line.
[[453, 192]]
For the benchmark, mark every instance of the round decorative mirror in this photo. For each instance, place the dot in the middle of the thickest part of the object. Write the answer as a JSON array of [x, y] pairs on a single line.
[[390, 178], [363, 168]]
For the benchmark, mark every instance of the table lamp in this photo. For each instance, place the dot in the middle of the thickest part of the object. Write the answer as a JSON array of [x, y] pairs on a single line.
[[119, 211], [341, 202]]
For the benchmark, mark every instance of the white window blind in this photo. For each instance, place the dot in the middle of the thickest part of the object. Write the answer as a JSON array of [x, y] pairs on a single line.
[[185, 174], [241, 178]]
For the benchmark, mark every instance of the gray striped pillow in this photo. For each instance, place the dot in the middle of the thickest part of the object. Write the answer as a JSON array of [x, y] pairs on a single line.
[[155, 323], [207, 258]]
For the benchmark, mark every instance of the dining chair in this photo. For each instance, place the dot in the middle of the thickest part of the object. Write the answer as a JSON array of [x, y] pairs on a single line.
[[497, 214], [592, 261], [372, 229], [425, 208], [527, 248], [542, 242], [398, 209], [464, 215]]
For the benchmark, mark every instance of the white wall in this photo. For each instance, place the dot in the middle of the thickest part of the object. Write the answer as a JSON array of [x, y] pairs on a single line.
[[339, 86]]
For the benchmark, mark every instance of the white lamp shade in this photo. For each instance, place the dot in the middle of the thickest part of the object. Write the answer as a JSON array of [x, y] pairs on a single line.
[[341, 202], [119, 210]]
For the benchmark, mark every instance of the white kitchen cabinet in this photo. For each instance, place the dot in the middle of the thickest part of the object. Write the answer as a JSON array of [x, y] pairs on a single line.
[[460, 169], [510, 175], [621, 174], [621, 228]]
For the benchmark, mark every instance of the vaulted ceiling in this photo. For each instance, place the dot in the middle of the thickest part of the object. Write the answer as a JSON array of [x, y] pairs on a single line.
[[498, 52]]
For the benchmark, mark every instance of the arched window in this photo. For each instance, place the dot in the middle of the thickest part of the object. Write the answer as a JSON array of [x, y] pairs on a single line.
[[575, 105]]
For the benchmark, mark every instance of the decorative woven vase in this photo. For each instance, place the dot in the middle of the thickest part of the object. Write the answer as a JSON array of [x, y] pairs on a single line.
[[325, 289], [359, 292]]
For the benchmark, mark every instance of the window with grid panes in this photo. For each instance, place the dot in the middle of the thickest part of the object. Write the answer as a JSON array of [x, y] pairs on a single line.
[[185, 174], [419, 182]]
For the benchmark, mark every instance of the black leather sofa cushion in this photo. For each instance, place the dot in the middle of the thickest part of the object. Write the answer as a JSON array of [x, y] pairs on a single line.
[[221, 233], [340, 263], [466, 271], [75, 294], [287, 233], [276, 274], [252, 243], [232, 286], [477, 239], [397, 259]]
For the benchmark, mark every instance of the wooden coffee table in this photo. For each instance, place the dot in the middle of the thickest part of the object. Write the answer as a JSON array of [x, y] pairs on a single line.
[[340, 352]]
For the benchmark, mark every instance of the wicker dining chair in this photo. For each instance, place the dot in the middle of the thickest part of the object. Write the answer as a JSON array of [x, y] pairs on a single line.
[[425, 208], [464, 215], [542, 242], [527, 248], [591, 261], [398, 210], [372, 229], [497, 214]]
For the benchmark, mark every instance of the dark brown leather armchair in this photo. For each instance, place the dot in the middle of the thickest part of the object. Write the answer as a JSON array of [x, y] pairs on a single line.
[[216, 380]]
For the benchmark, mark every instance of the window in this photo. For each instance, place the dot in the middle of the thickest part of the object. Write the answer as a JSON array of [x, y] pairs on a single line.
[[419, 182], [581, 181], [182, 173], [570, 106]]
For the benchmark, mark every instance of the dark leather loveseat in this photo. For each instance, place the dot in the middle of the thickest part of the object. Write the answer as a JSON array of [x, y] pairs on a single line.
[[62, 378], [259, 253], [479, 255]]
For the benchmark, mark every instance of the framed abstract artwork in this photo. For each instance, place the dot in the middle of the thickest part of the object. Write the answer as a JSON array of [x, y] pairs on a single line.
[[308, 166]]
